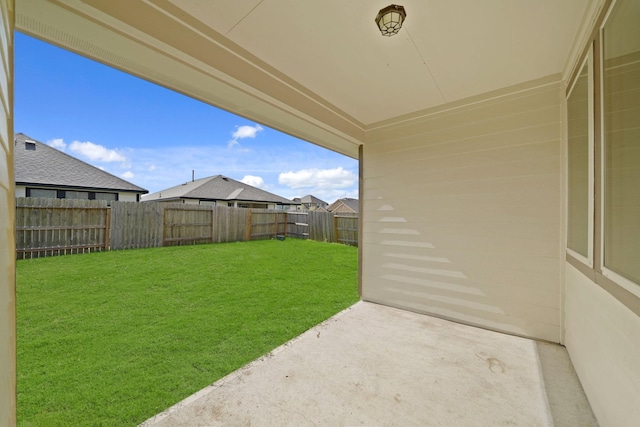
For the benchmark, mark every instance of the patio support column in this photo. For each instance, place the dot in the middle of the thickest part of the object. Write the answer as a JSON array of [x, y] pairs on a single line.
[[7, 222]]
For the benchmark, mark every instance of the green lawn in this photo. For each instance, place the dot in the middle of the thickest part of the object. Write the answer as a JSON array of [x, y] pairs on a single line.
[[114, 338]]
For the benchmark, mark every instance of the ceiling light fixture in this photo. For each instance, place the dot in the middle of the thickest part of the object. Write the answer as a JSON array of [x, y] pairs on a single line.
[[390, 19]]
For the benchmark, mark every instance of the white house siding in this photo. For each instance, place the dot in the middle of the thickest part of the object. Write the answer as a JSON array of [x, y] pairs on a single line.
[[127, 197], [21, 191], [7, 212], [602, 337], [462, 213]]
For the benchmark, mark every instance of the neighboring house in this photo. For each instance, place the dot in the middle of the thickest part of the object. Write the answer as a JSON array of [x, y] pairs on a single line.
[[222, 191], [311, 203], [43, 171], [345, 205]]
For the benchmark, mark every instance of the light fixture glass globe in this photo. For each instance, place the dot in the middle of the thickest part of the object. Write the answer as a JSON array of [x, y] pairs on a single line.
[[390, 19]]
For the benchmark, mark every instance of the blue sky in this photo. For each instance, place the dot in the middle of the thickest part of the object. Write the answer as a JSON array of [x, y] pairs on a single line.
[[154, 137]]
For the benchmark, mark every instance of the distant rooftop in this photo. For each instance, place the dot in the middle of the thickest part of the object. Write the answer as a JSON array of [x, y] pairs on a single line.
[[217, 187], [310, 199], [39, 164], [352, 204]]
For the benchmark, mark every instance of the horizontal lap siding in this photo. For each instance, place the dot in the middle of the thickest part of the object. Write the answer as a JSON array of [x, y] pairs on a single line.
[[462, 214]]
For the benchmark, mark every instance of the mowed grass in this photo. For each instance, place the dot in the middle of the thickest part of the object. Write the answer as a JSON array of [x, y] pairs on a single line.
[[109, 339]]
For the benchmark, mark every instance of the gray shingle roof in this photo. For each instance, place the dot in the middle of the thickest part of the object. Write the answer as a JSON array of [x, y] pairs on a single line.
[[309, 198], [217, 187], [44, 165], [352, 204]]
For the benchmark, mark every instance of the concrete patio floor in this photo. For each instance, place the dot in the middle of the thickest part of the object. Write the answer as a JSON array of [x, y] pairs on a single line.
[[377, 365]]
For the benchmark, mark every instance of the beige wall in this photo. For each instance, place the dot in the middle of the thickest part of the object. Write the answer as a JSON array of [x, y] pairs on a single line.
[[463, 213], [7, 212], [603, 340], [126, 197]]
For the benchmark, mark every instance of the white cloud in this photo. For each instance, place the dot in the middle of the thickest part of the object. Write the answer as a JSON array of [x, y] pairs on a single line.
[[242, 132], [246, 132], [254, 181], [127, 175], [173, 165], [318, 178], [96, 152], [57, 143]]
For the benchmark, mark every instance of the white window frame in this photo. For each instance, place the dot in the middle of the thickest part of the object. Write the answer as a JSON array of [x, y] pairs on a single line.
[[617, 278], [588, 260]]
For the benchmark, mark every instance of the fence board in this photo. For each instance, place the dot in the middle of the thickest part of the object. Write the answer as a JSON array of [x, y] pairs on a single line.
[[346, 229], [321, 227], [231, 224], [136, 225], [187, 224], [267, 224], [298, 225]]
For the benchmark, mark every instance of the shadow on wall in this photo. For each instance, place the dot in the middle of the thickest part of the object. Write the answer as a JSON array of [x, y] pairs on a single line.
[[482, 288]]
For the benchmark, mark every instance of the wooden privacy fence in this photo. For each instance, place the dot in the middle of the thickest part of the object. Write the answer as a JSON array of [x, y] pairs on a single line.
[[46, 227], [136, 225], [183, 224], [346, 229]]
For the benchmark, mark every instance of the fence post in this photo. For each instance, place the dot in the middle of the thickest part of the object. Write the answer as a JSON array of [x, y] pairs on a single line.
[[248, 226], [284, 221], [107, 230], [275, 234], [213, 220]]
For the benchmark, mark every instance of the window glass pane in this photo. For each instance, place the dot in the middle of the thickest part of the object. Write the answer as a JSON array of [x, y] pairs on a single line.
[[578, 156], [621, 100], [84, 195], [106, 196], [40, 192]]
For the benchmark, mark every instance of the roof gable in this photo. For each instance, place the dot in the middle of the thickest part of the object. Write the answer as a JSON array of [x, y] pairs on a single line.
[[39, 164], [343, 205], [309, 198]]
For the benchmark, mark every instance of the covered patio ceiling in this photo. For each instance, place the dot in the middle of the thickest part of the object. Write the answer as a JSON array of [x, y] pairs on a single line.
[[319, 70]]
